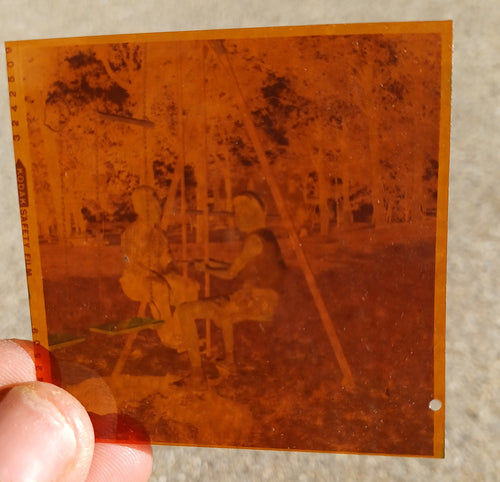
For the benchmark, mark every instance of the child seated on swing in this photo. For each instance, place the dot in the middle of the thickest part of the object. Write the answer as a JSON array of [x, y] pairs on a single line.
[[259, 268], [149, 275]]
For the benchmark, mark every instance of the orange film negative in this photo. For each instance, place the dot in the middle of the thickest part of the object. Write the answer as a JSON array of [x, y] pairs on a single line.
[[237, 238]]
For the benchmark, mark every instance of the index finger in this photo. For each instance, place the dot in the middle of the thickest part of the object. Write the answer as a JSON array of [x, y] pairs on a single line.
[[16, 360]]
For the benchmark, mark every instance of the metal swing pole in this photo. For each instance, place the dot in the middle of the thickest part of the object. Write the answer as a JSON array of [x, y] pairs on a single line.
[[347, 378]]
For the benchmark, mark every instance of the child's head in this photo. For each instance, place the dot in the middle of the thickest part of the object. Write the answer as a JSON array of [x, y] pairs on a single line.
[[249, 212]]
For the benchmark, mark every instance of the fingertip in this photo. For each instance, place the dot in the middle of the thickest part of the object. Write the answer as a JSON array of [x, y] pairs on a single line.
[[45, 434], [126, 463], [16, 361], [26, 345]]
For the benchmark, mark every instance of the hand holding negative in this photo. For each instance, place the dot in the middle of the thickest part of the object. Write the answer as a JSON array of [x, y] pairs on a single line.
[[46, 434]]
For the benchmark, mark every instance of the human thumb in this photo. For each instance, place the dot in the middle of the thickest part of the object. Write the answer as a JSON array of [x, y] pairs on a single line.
[[45, 434]]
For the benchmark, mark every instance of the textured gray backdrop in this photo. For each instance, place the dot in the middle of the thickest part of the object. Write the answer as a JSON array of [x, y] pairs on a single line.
[[473, 335]]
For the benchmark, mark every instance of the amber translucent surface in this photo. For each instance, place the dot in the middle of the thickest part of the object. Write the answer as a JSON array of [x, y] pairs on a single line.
[[238, 238]]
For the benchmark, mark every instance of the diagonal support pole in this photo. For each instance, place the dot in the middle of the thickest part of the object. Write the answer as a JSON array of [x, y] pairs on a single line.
[[347, 378]]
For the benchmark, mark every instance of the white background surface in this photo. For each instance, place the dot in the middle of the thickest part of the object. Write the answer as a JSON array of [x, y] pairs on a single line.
[[473, 335]]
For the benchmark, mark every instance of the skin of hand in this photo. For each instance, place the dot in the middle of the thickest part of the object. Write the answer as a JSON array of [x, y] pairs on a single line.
[[252, 248], [46, 434]]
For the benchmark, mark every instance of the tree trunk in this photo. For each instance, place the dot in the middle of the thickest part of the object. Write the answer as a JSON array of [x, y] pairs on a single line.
[[345, 213], [324, 191], [371, 111]]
